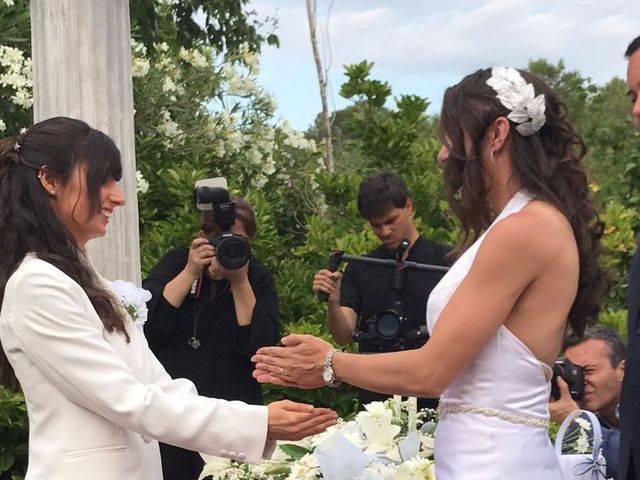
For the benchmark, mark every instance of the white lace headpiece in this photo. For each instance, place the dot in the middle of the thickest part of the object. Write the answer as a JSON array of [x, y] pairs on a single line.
[[514, 93]]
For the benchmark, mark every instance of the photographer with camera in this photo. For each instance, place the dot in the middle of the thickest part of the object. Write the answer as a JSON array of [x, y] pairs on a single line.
[[600, 357], [212, 308], [365, 292]]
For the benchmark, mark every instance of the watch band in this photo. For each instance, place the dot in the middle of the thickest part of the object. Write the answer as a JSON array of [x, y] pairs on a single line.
[[332, 381]]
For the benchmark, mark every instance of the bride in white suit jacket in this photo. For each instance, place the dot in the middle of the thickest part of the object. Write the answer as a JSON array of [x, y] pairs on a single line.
[[98, 400]]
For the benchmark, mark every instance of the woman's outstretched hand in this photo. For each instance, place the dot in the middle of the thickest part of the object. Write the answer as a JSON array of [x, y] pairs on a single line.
[[293, 421], [298, 363]]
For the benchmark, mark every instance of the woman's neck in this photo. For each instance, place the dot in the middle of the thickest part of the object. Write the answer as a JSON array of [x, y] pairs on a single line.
[[500, 193]]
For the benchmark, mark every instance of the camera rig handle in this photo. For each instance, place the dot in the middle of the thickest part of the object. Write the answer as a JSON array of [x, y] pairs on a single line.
[[338, 256], [392, 263], [335, 258]]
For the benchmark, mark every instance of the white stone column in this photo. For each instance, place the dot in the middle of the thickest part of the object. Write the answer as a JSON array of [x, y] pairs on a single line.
[[82, 69]]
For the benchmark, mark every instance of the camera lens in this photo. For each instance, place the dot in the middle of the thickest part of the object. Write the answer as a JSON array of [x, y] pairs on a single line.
[[233, 252], [388, 325]]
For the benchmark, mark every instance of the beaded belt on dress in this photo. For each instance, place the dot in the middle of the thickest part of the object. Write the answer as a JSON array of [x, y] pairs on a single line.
[[446, 408]]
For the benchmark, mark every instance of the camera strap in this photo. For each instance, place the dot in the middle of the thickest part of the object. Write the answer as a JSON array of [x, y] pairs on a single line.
[[196, 286]]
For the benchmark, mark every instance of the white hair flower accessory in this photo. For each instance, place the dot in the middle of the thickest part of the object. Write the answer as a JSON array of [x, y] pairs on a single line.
[[527, 109]]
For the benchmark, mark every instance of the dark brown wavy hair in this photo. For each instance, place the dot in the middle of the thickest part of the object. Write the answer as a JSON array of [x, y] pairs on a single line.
[[28, 223], [548, 164]]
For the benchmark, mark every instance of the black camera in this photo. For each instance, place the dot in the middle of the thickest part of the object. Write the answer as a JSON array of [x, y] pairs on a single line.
[[572, 374], [233, 251], [388, 332]]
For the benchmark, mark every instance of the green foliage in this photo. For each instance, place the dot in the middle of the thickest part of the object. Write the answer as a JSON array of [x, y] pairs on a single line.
[[294, 451], [14, 435], [379, 137], [615, 319], [618, 247], [370, 94], [223, 24], [200, 115]]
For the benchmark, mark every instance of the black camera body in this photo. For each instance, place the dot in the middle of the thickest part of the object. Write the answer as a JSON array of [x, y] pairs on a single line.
[[232, 250], [388, 331], [572, 374]]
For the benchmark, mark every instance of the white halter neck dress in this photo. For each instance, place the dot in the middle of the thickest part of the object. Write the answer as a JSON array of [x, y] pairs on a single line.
[[493, 417]]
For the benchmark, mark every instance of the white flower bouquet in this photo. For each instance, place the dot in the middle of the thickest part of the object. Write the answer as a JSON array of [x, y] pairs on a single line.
[[389, 440]]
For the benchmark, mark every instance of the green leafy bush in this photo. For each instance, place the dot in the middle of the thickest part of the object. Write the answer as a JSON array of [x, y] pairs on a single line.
[[14, 435]]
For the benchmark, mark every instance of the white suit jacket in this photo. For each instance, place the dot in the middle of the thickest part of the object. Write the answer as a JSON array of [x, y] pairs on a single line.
[[97, 405]]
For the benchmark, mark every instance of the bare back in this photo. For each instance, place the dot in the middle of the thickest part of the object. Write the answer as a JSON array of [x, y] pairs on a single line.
[[539, 315]]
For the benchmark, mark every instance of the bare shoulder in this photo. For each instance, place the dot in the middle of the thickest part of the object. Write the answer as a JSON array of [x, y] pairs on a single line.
[[539, 231]]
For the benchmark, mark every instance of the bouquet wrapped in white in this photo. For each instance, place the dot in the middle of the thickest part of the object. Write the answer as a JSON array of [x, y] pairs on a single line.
[[388, 440]]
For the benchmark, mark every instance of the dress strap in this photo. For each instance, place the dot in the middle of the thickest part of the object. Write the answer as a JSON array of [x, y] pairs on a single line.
[[446, 408]]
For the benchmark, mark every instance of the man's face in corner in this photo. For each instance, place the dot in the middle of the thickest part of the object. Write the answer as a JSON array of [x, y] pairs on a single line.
[[633, 82], [394, 226], [602, 381]]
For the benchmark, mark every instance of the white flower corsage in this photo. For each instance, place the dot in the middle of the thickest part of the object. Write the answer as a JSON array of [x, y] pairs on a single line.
[[134, 300]]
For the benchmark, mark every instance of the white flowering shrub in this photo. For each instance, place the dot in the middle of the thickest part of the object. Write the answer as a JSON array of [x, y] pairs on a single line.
[[16, 97], [209, 117]]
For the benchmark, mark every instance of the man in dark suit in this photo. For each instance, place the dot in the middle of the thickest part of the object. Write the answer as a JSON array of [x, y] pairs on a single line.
[[630, 398]]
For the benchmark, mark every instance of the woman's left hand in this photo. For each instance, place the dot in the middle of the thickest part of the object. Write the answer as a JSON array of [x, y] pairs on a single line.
[[299, 363]]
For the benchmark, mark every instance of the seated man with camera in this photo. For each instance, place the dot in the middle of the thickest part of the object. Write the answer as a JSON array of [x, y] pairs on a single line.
[[212, 307], [598, 357], [382, 308]]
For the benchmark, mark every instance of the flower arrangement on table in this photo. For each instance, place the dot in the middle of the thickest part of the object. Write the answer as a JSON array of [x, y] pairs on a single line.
[[388, 440], [134, 299]]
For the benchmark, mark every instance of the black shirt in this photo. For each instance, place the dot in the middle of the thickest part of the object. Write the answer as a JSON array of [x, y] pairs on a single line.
[[367, 289], [221, 367]]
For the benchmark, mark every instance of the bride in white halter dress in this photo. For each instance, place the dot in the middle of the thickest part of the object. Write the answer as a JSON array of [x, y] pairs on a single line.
[[534, 270], [494, 417]]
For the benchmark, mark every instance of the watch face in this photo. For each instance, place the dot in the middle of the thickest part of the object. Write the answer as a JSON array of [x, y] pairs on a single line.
[[327, 375]]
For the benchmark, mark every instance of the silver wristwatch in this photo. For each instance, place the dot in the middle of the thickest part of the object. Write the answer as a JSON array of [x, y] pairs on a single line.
[[328, 376]]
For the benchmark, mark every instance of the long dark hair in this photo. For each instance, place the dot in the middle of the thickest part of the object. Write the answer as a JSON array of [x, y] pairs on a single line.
[[28, 223], [548, 164]]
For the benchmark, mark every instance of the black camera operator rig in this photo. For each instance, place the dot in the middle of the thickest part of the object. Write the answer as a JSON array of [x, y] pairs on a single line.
[[387, 331]]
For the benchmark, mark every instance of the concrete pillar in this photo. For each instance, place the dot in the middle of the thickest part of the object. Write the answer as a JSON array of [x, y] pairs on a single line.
[[82, 69]]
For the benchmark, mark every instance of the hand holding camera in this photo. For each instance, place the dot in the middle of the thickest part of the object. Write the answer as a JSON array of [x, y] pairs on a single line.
[[200, 255], [567, 388], [563, 404]]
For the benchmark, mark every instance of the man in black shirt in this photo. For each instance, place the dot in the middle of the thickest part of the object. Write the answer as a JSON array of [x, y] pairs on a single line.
[[366, 290]]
